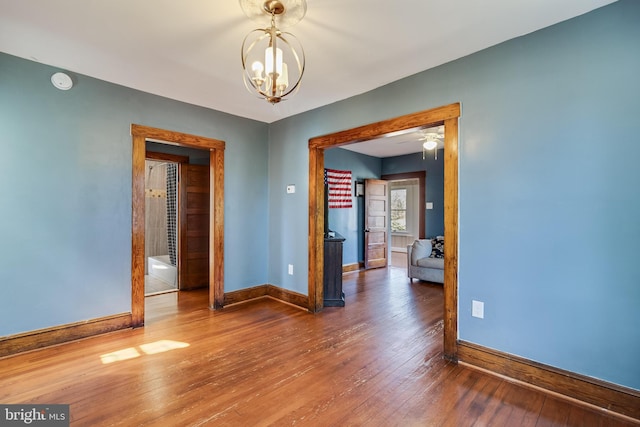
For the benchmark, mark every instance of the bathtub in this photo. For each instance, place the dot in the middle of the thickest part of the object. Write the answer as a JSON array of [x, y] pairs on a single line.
[[160, 267]]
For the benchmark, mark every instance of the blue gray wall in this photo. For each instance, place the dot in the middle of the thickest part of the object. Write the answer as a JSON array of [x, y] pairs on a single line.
[[349, 222], [65, 220], [548, 200], [434, 185]]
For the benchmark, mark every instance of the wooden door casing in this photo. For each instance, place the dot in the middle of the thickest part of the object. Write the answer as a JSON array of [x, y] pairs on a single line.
[[447, 115], [376, 215], [139, 135]]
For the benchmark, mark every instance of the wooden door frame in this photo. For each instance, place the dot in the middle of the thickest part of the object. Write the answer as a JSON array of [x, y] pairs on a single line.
[[139, 135], [448, 116]]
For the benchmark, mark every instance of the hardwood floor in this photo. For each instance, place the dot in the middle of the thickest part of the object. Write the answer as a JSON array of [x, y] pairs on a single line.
[[399, 259], [154, 285], [376, 362]]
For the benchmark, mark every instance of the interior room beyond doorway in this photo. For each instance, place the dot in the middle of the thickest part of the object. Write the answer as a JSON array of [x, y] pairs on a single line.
[[161, 234], [404, 218]]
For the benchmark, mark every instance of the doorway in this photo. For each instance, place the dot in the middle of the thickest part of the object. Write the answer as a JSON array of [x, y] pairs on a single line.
[[161, 231], [176, 218], [140, 135], [403, 219], [162, 171], [414, 184], [448, 116]]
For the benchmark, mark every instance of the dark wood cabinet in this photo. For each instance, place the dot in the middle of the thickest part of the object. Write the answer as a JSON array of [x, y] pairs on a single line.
[[333, 295]]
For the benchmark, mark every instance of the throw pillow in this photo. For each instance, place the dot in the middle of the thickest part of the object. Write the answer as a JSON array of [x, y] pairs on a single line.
[[421, 249], [438, 247]]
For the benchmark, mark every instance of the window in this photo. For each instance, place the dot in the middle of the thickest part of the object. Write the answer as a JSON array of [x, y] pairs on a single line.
[[398, 209]]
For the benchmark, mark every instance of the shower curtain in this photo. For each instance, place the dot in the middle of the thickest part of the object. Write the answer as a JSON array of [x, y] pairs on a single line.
[[172, 211]]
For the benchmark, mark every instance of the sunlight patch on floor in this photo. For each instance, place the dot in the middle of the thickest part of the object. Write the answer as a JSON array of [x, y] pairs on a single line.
[[160, 346], [117, 356]]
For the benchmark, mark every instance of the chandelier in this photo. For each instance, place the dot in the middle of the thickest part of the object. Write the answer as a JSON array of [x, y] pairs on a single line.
[[272, 60]]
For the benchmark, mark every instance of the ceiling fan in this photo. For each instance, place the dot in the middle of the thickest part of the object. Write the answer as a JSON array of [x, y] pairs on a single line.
[[431, 140]]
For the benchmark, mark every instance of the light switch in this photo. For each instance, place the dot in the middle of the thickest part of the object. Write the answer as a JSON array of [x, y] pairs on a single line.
[[477, 309], [291, 189], [429, 205]]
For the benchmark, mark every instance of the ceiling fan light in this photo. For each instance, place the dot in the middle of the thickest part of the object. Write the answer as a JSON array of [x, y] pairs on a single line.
[[429, 145]]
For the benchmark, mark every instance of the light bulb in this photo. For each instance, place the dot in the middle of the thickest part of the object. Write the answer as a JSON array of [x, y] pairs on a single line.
[[257, 69], [283, 78], [268, 61]]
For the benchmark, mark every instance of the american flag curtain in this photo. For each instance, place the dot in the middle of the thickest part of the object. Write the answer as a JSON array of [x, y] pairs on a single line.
[[339, 188]]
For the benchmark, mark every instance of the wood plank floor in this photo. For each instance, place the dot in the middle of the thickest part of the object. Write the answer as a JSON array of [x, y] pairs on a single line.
[[376, 362], [399, 259], [153, 285]]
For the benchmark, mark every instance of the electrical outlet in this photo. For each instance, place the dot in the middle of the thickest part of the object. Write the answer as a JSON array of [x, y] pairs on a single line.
[[291, 189], [291, 269], [477, 309]]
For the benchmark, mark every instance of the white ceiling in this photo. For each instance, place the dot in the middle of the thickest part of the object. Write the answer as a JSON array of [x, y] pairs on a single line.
[[189, 50], [397, 144]]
